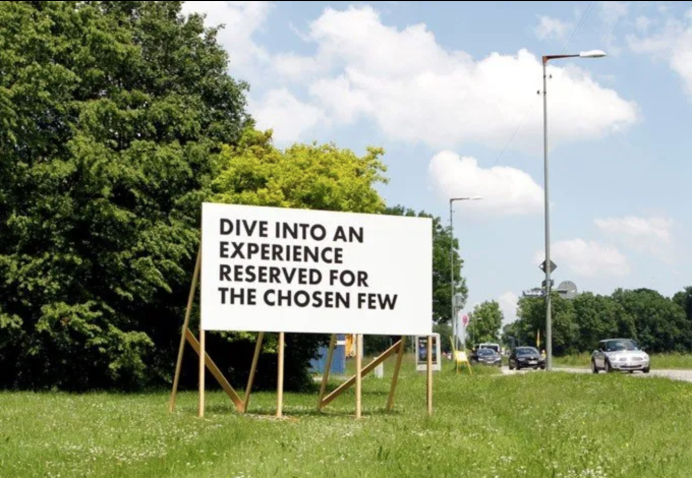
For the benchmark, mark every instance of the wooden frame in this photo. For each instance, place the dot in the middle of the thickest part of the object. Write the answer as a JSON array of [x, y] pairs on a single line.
[[361, 371], [241, 405]]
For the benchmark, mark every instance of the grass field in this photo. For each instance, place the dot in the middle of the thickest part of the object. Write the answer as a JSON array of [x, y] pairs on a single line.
[[487, 425], [658, 361]]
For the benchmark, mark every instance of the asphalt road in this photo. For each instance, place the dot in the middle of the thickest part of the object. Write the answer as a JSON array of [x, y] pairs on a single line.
[[684, 375]]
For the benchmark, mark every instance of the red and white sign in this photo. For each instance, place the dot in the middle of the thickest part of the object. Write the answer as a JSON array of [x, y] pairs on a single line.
[[463, 318]]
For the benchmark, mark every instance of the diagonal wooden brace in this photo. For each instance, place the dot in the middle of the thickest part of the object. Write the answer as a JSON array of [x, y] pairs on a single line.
[[218, 375], [367, 369]]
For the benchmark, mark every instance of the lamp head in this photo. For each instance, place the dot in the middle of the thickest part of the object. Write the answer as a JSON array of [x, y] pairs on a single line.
[[592, 54]]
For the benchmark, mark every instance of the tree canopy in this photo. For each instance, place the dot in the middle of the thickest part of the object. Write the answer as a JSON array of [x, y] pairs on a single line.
[[314, 176], [659, 323], [112, 115], [442, 267], [484, 323]]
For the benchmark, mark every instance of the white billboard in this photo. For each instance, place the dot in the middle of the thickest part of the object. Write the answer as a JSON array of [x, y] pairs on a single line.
[[295, 270]]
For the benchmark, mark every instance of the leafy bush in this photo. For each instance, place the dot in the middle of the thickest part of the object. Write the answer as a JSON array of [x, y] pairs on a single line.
[[112, 116]]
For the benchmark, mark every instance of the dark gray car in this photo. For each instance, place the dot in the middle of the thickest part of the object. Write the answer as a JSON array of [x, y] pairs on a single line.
[[526, 357], [487, 357]]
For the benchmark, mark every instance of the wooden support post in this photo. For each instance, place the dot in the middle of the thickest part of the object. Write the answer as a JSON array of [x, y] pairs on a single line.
[[280, 384], [202, 371], [366, 370], [395, 376], [253, 368], [325, 373], [430, 374], [186, 324], [192, 340], [359, 375]]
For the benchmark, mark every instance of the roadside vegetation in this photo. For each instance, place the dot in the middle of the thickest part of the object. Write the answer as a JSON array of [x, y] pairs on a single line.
[[533, 425]]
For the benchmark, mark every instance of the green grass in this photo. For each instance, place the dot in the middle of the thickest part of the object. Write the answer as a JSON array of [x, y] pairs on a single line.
[[486, 425], [658, 361]]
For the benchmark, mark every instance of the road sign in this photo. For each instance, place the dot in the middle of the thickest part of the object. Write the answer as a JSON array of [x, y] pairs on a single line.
[[553, 266], [465, 320]]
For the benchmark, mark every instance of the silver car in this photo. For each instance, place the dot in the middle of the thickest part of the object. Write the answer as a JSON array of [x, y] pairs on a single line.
[[619, 355]]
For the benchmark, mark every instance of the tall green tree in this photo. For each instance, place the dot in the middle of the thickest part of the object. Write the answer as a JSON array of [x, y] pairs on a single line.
[[443, 245], [510, 335], [661, 324], [684, 300], [657, 322], [314, 176], [112, 115], [565, 330], [484, 323], [600, 317]]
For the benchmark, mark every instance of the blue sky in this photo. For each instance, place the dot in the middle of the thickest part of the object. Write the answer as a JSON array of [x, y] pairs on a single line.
[[450, 91]]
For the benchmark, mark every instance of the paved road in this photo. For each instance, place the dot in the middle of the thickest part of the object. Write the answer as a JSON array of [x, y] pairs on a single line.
[[684, 375]]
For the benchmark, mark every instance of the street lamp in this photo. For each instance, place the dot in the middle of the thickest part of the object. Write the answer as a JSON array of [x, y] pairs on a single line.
[[548, 305], [451, 257]]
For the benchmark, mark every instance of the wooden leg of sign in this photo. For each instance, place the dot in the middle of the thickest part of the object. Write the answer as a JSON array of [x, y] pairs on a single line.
[[359, 375], [214, 369], [327, 368], [253, 368], [366, 370], [280, 384], [202, 371], [186, 324], [430, 373], [395, 376]]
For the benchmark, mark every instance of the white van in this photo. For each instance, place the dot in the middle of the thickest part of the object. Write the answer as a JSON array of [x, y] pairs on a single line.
[[488, 345]]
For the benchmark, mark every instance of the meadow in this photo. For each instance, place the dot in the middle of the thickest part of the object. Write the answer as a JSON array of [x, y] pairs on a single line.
[[487, 425]]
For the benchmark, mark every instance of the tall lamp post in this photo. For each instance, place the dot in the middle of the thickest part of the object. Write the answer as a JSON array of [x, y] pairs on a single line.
[[547, 264], [451, 258]]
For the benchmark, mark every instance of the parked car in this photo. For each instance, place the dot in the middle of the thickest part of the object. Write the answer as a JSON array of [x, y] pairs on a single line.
[[487, 357], [619, 354], [526, 357]]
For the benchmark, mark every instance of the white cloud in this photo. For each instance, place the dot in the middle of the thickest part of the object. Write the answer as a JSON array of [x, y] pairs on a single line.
[[549, 28], [505, 190], [609, 15], [643, 23], [296, 67], [411, 87], [587, 259], [329, 93], [286, 115], [612, 12], [241, 20], [417, 91], [508, 305], [642, 234], [673, 43]]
